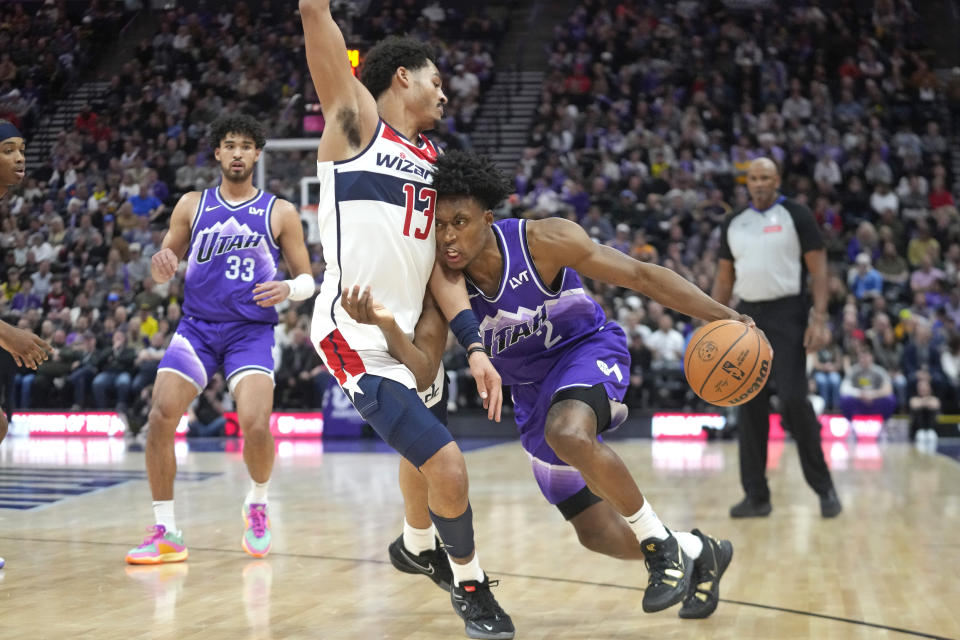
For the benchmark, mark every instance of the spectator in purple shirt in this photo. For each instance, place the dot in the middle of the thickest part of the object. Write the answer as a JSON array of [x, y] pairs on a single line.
[[26, 299], [923, 279]]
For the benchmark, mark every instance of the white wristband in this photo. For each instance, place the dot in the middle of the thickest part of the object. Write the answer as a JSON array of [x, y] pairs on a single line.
[[301, 287]]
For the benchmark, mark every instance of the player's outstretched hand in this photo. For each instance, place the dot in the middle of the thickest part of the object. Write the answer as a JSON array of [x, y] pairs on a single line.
[[27, 349], [267, 294], [488, 383], [364, 309], [163, 265]]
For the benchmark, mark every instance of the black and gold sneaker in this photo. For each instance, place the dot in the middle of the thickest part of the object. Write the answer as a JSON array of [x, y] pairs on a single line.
[[482, 616], [704, 592], [670, 570], [433, 563]]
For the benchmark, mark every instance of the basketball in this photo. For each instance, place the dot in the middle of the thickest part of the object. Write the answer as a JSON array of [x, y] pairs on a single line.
[[727, 363]]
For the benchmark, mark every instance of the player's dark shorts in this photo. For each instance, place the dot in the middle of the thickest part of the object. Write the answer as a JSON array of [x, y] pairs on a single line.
[[400, 418]]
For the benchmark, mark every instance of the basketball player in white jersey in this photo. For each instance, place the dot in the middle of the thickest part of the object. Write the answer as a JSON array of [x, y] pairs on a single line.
[[376, 223], [27, 349]]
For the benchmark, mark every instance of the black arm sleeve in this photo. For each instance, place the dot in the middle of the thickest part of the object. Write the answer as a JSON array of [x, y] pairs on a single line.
[[806, 226]]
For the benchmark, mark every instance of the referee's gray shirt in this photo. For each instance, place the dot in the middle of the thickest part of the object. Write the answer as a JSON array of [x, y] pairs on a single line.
[[767, 249]]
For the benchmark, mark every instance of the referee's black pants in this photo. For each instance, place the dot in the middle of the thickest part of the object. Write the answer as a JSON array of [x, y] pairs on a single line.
[[784, 321]]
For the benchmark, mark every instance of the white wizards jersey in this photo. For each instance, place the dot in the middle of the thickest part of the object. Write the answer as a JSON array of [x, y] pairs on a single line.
[[376, 227]]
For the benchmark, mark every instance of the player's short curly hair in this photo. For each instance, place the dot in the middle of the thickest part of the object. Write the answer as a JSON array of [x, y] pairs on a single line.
[[382, 61], [243, 124], [460, 174]]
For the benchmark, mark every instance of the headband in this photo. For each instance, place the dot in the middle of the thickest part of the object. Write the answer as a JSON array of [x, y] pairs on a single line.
[[7, 130]]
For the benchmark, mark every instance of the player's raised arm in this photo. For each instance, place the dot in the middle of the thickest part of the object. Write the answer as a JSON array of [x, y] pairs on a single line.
[[288, 230], [556, 243], [164, 263], [349, 109], [422, 355]]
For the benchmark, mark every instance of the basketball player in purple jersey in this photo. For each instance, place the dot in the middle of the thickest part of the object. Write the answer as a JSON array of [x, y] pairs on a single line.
[[27, 349], [375, 213], [232, 236], [568, 367]]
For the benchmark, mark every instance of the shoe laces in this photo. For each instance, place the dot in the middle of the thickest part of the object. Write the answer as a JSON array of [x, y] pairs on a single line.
[[257, 515], [157, 532], [481, 605], [658, 562]]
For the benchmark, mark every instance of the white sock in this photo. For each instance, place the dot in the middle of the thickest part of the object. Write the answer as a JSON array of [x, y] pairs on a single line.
[[417, 541], [646, 524], [691, 544], [163, 513], [257, 493], [467, 572]]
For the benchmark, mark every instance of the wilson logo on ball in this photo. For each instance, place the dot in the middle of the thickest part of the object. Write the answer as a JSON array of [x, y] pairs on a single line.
[[758, 383]]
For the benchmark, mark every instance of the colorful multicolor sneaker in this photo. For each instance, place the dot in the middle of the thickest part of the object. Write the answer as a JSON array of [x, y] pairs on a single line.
[[256, 538], [159, 547]]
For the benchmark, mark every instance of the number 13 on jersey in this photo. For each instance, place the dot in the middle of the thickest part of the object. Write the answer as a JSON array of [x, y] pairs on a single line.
[[428, 196]]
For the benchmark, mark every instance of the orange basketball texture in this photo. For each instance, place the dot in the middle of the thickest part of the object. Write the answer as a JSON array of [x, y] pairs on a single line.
[[727, 363]]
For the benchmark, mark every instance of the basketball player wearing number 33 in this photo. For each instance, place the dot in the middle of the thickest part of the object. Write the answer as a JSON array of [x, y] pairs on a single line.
[[568, 369]]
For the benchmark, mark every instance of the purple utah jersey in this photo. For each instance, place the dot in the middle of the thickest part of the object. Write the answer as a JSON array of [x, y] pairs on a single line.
[[527, 326], [232, 249], [543, 341]]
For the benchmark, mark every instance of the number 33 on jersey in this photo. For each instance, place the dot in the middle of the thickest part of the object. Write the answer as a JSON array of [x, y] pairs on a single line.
[[232, 248]]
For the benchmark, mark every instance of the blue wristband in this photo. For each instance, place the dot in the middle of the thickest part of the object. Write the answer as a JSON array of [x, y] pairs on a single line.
[[466, 328]]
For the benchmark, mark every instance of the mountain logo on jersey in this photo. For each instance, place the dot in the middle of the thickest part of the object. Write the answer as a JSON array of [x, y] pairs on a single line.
[[401, 164], [215, 241], [507, 329]]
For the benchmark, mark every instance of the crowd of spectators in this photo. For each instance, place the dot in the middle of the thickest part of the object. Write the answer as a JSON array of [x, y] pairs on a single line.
[[650, 115], [43, 47], [77, 237]]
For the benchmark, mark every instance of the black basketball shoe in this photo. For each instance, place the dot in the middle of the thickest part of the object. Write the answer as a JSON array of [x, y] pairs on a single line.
[[751, 508], [433, 563], [670, 570], [482, 616], [704, 592], [830, 506]]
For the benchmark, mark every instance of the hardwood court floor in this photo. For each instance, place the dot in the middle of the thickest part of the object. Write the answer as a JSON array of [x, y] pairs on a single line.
[[886, 568]]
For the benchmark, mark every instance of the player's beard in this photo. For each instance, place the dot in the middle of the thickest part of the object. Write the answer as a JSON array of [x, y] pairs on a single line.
[[8, 177], [229, 174]]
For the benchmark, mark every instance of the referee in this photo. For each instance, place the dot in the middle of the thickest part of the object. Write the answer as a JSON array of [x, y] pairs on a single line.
[[764, 250]]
